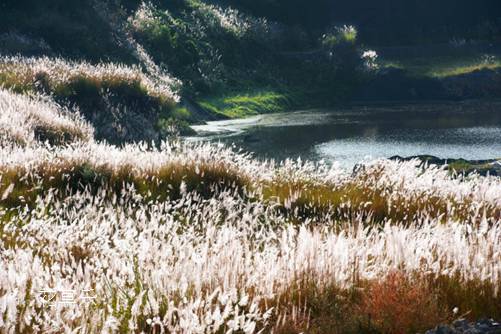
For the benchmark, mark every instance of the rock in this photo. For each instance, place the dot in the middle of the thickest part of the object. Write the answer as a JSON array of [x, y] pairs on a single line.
[[462, 326], [483, 167], [445, 330]]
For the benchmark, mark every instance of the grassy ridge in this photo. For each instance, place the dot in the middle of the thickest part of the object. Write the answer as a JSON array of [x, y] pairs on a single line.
[[160, 176], [27, 121], [122, 102]]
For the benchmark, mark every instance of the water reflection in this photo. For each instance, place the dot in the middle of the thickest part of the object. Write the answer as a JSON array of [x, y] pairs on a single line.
[[470, 130]]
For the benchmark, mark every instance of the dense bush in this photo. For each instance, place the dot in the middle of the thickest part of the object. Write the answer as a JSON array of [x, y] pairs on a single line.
[[203, 45]]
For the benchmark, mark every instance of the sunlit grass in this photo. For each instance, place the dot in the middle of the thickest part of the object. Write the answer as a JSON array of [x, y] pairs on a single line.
[[248, 104], [309, 194], [184, 237], [442, 67], [459, 69], [27, 120], [197, 237], [124, 103], [62, 77]]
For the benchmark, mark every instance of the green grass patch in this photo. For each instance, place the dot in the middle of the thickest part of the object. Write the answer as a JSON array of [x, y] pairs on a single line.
[[442, 67], [240, 105], [462, 68], [464, 166]]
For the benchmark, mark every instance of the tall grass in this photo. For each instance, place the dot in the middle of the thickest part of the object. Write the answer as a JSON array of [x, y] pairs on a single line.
[[55, 75], [340, 36], [26, 120], [201, 43], [124, 103], [197, 238]]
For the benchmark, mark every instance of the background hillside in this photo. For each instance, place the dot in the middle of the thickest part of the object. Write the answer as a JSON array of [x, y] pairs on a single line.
[[190, 60], [228, 61], [388, 22]]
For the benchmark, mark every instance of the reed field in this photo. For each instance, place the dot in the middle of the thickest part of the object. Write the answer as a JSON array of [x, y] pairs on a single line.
[[202, 238]]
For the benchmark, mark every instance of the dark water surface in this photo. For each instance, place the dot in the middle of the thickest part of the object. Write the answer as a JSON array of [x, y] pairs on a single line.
[[469, 130]]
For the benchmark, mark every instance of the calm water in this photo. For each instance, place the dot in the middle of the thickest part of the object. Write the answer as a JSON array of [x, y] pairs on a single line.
[[469, 130]]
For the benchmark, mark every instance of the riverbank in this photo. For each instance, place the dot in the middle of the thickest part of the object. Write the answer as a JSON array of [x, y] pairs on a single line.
[[388, 86], [249, 102], [245, 104], [395, 84]]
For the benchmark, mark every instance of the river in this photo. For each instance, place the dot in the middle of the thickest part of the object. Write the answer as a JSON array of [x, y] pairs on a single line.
[[348, 135]]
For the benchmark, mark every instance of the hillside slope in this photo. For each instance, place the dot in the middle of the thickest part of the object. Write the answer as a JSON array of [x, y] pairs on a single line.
[[134, 61], [143, 70]]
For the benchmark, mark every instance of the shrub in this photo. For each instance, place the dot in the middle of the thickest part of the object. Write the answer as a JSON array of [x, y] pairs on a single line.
[[202, 44], [400, 305], [340, 36]]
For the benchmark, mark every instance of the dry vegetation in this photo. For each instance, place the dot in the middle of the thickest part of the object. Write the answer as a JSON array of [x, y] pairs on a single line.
[[123, 103], [189, 239], [26, 120], [198, 238], [55, 75]]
